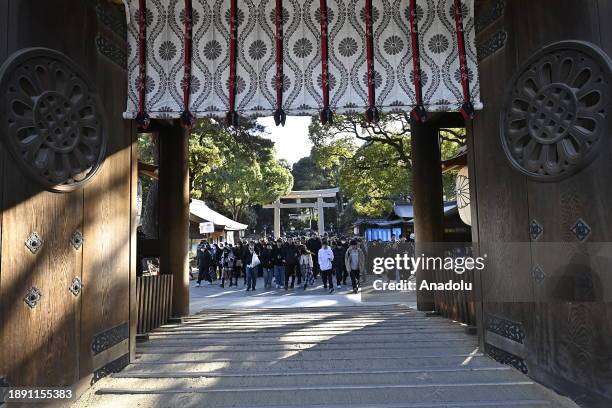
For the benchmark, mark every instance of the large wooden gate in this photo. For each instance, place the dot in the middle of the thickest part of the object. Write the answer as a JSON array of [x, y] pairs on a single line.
[[66, 275], [536, 216]]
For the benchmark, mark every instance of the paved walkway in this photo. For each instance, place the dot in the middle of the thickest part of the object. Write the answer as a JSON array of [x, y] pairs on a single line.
[[368, 356], [214, 297]]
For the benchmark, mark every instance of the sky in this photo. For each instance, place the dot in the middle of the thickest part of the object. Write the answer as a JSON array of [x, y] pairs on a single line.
[[292, 140]]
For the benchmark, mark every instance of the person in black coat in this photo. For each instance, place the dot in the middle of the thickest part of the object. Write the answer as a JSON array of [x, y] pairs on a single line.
[[267, 264], [238, 266], [259, 246], [291, 254], [339, 266], [251, 270], [217, 268], [278, 261], [204, 264], [314, 244]]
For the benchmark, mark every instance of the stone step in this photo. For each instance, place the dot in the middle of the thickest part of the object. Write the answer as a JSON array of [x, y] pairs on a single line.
[[359, 308], [322, 350], [328, 377], [309, 312], [305, 318], [317, 330], [331, 326], [306, 339], [340, 357], [283, 313], [335, 395], [220, 335], [131, 401], [377, 341], [310, 316], [257, 363], [313, 327], [333, 323]]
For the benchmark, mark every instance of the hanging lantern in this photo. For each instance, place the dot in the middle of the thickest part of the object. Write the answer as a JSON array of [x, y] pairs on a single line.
[[462, 189]]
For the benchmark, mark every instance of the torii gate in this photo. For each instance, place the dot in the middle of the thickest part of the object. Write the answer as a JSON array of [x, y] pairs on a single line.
[[298, 196]]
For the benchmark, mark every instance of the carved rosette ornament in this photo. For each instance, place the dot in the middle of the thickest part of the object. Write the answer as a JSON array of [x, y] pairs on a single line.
[[51, 119], [556, 111]]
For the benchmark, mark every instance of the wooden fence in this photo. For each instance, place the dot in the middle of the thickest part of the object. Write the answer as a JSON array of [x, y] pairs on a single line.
[[154, 299], [456, 305]]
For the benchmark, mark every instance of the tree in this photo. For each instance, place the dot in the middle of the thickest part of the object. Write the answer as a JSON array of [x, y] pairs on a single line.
[[234, 169], [373, 178], [148, 152], [378, 172], [308, 176]]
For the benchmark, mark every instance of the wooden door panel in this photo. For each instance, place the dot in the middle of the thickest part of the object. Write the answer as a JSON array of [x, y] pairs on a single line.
[[39, 343], [565, 342], [502, 211], [108, 223], [3, 55]]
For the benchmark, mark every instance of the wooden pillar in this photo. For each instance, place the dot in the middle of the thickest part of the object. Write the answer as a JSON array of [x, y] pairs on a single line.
[[321, 213], [428, 200], [277, 220], [174, 212]]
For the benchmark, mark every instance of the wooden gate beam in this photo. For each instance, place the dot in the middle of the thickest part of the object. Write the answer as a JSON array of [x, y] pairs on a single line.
[[428, 199], [174, 212]]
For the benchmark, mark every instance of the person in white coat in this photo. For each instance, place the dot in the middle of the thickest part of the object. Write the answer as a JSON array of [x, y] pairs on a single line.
[[326, 257]]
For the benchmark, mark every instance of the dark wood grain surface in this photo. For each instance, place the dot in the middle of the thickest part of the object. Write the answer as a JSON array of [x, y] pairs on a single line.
[[51, 344], [566, 343]]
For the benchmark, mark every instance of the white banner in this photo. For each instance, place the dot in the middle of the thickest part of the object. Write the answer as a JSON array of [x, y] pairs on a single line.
[[302, 95], [207, 227]]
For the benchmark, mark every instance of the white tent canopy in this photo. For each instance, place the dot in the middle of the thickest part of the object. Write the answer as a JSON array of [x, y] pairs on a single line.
[[199, 209]]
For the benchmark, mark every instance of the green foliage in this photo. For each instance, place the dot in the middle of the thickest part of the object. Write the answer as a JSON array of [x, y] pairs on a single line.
[[307, 176], [451, 142], [235, 169], [147, 151], [373, 178], [376, 174], [333, 154], [204, 158]]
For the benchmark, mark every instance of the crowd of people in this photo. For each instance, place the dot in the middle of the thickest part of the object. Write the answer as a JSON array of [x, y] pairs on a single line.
[[283, 262]]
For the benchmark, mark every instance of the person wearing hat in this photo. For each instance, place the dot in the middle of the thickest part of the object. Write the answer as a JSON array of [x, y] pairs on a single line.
[[354, 261]]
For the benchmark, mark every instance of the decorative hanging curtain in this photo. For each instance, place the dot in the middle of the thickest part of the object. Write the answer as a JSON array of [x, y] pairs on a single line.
[[289, 78]]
